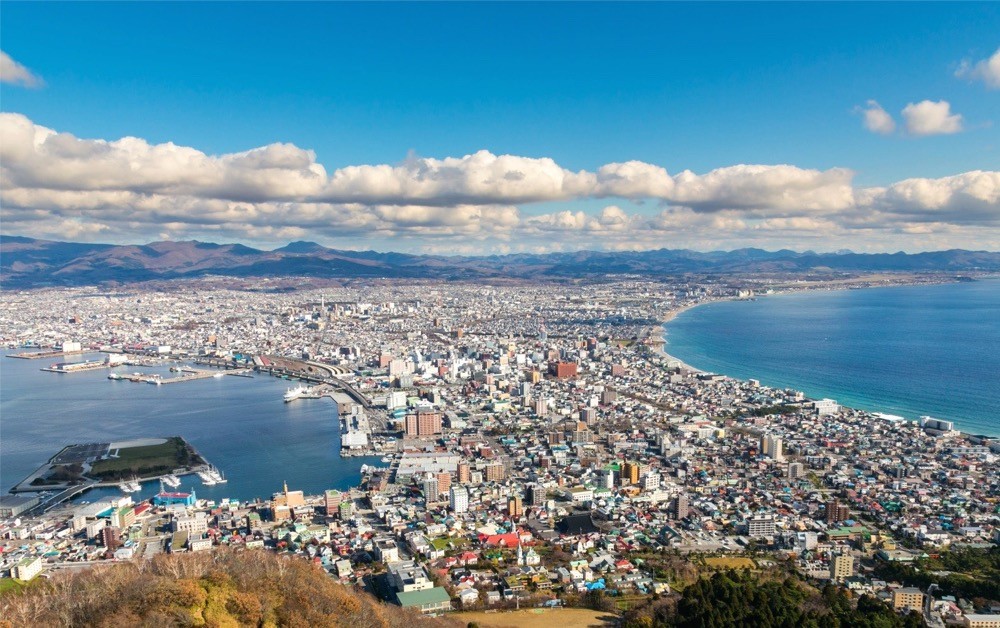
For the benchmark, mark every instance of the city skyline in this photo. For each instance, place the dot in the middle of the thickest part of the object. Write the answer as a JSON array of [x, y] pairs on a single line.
[[505, 128]]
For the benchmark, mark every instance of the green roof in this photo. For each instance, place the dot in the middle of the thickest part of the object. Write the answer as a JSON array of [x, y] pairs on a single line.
[[437, 595]]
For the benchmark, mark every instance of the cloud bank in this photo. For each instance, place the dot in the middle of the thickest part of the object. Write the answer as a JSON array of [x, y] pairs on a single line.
[[56, 185]]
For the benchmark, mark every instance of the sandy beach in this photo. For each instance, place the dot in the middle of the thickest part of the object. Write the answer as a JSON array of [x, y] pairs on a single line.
[[660, 331]]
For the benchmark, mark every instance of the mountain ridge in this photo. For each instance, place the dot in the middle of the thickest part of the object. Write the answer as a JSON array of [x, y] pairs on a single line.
[[28, 262]]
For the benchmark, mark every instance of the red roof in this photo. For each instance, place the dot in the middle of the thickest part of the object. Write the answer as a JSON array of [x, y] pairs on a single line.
[[502, 540]]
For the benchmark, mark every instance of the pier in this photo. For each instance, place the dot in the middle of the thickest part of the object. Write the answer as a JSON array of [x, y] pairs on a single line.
[[189, 375], [38, 355]]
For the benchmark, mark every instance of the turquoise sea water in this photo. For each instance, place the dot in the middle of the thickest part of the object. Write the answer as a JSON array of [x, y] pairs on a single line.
[[241, 425], [910, 350]]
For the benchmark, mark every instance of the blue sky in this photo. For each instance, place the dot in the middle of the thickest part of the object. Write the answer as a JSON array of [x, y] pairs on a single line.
[[680, 86]]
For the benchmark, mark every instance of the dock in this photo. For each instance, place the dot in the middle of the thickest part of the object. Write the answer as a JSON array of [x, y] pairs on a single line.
[[38, 355], [76, 367], [188, 375]]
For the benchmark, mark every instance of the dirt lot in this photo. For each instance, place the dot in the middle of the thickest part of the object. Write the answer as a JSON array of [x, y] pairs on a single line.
[[539, 618], [730, 563]]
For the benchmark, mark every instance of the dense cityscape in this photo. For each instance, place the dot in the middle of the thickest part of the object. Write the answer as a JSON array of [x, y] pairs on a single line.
[[499, 314], [538, 448]]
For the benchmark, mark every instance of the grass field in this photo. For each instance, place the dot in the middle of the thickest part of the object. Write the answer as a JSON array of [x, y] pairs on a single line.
[[10, 584], [151, 459], [722, 562], [539, 618]]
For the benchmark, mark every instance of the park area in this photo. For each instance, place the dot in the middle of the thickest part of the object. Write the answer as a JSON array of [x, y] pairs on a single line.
[[539, 618], [144, 460]]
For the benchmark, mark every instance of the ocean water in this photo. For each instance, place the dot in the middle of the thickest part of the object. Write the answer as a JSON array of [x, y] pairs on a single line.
[[909, 350], [241, 425]]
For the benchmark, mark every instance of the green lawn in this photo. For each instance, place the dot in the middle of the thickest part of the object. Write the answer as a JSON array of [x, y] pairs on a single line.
[[10, 584], [148, 460]]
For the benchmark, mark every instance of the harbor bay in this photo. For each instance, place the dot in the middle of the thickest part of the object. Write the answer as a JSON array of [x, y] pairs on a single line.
[[241, 425], [908, 351]]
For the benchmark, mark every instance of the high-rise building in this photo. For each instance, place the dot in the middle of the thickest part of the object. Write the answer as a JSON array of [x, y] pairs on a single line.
[[835, 511], [346, 509], [630, 473], [771, 446], [536, 495], [606, 478], [583, 435], [841, 567], [541, 406], [908, 598], [431, 489], [331, 502], [679, 507], [464, 472], [514, 507], [444, 482], [111, 537], [458, 499], [495, 472], [563, 370], [423, 423], [650, 481], [796, 470], [760, 525]]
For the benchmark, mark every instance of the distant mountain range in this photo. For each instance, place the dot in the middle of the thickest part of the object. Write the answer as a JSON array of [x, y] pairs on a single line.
[[26, 262]]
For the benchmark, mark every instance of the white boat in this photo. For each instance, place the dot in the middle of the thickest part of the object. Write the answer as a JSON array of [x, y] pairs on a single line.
[[206, 479], [130, 486], [219, 375], [294, 393], [217, 475], [172, 481]]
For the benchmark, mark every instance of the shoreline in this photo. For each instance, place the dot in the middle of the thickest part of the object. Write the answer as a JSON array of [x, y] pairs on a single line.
[[660, 348], [661, 330]]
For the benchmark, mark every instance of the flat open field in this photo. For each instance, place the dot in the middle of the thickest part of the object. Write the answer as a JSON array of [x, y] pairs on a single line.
[[539, 618], [720, 562], [160, 458]]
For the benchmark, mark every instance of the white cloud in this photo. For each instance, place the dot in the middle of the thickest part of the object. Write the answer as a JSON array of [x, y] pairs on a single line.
[[16, 74], [478, 178], [35, 157], [56, 185], [766, 189], [876, 119], [969, 197], [985, 70], [928, 117]]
